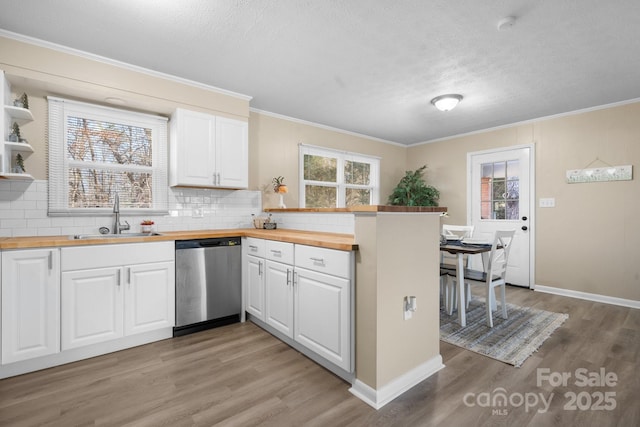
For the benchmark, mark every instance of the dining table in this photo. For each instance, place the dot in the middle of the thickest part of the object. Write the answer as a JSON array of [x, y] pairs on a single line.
[[461, 248]]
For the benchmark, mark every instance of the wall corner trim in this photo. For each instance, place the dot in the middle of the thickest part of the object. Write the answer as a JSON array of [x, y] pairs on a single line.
[[378, 398], [588, 296]]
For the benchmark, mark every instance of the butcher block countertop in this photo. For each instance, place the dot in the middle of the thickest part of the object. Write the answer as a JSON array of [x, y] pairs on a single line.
[[344, 242]]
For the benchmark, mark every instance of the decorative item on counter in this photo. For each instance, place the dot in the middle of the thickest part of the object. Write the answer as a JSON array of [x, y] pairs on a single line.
[[269, 225], [281, 189], [146, 226], [19, 164], [258, 222], [14, 136]]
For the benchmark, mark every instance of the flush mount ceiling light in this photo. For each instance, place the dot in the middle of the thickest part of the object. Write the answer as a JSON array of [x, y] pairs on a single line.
[[446, 102]]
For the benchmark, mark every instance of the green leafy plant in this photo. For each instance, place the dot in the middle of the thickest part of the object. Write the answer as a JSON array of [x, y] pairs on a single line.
[[25, 100], [412, 190], [20, 162]]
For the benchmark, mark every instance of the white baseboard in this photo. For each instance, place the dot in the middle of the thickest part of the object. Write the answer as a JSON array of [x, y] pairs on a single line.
[[378, 398], [588, 296]]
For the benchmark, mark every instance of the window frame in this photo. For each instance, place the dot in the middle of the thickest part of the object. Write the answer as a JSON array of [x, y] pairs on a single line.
[[59, 163], [340, 185]]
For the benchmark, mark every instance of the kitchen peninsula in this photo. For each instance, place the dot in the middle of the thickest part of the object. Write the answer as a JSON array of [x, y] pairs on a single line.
[[398, 253], [396, 256]]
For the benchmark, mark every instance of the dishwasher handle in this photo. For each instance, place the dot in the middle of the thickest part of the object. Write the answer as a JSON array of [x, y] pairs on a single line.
[[207, 243]]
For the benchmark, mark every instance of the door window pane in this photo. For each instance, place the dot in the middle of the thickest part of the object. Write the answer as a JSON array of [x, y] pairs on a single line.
[[487, 170], [499, 170], [500, 190]]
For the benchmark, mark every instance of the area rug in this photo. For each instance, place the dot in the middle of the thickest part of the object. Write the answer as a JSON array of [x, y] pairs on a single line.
[[510, 340]]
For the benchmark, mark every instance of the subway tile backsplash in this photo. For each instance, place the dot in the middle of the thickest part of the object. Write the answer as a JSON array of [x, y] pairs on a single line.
[[23, 212]]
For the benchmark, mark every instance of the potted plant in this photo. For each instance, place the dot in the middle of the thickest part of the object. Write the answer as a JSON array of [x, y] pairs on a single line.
[[14, 136], [280, 188], [19, 164], [146, 226], [412, 190], [22, 101]]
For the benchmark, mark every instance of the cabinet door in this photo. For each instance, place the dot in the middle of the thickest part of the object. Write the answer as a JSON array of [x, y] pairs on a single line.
[[232, 153], [192, 149], [279, 297], [254, 274], [149, 297], [321, 315], [30, 304], [92, 306]]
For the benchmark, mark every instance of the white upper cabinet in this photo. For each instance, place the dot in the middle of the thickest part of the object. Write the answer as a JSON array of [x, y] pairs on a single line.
[[232, 153], [208, 151]]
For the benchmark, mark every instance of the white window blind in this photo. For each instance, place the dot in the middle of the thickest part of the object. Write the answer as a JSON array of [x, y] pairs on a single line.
[[96, 151]]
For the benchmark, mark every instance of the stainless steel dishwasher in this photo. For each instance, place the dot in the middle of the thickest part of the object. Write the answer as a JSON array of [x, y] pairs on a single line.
[[208, 283]]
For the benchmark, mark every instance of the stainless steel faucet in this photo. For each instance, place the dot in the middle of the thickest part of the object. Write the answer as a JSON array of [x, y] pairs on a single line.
[[117, 227]]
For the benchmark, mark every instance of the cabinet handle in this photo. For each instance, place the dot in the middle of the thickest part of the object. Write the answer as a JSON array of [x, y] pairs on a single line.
[[295, 278], [50, 260], [253, 247], [320, 260], [276, 252], [288, 278], [259, 268], [119, 276], [129, 275]]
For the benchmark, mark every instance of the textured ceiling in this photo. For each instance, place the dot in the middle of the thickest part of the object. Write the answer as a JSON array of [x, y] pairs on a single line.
[[367, 66]]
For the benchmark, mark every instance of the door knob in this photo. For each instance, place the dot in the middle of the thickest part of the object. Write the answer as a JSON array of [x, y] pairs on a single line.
[[525, 228], [524, 218]]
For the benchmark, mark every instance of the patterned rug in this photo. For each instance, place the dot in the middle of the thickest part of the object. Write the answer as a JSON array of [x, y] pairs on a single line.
[[510, 340]]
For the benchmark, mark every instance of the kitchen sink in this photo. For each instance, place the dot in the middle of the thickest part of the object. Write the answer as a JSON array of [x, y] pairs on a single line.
[[110, 236]]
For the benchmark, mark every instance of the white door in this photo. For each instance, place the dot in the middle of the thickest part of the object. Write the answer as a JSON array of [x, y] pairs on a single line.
[[232, 153], [321, 315], [92, 306], [149, 297], [30, 304], [499, 197], [279, 297], [254, 276]]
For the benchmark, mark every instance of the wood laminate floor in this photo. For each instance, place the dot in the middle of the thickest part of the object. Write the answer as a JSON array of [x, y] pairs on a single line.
[[239, 375]]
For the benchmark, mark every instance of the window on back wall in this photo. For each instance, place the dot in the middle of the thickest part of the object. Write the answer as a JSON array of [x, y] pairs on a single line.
[[331, 178], [96, 151]]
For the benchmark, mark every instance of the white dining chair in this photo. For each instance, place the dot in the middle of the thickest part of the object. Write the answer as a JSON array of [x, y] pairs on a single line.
[[448, 263], [494, 276]]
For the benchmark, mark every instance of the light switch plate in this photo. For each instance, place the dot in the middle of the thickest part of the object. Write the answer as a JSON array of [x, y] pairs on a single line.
[[549, 202]]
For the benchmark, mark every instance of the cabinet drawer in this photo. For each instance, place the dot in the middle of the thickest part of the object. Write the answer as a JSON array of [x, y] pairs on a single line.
[[279, 251], [255, 247], [329, 261], [101, 256]]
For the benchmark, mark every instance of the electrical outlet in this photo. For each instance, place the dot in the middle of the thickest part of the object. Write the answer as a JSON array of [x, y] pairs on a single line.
[[547, 202]]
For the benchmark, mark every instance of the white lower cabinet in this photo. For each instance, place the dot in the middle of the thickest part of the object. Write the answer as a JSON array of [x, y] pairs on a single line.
[[110, 301], [92, 306], [30, 304], [307, 296], [149, 297], [321, 315], [254, 289], [279, 297]]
